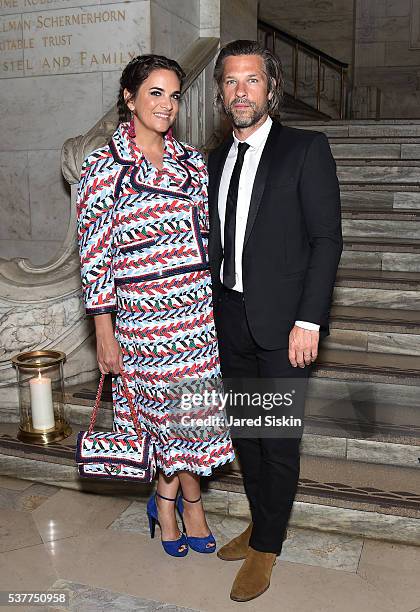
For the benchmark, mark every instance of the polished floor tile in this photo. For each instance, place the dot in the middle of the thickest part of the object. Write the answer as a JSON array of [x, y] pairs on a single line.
[[8, 482], [98, 548], [84, 598], [322, 549], [29, 568], [70, 513], [203, 582], [308, 546], [17, 530], [394, 569], [27, 498], [225, 528], [9, 498], [35, 496], [304, 588], [132, 519]]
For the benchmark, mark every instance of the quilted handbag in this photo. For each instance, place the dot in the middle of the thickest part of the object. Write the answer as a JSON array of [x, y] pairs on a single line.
[[113, 455]]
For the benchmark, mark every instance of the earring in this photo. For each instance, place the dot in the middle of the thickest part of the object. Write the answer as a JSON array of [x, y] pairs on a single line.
[[131, 128]]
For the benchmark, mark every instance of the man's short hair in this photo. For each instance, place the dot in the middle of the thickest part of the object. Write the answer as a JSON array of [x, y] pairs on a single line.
[[272, 65]]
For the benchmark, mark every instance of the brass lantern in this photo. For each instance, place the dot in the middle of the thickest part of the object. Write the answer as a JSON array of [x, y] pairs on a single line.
[[41, 396]]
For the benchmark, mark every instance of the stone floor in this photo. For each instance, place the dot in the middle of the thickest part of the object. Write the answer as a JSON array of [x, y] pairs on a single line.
[[96, 548]]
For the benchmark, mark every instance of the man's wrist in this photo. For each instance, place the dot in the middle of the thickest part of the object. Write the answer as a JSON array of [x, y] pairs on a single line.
[[307, 325]]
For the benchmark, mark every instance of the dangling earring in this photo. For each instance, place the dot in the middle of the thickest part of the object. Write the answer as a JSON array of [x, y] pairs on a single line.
[[131, 127]]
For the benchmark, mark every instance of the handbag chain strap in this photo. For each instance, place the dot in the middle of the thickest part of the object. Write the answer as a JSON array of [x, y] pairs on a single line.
[[128, 398]]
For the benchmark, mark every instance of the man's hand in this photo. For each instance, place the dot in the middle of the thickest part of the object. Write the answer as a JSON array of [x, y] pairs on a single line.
[[303, 346]]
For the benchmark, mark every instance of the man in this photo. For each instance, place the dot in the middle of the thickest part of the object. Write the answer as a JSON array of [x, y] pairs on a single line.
[[274, 247]]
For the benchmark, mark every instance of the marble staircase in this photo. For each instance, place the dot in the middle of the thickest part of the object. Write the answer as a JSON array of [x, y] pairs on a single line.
[[361, 445], [297, 110], [366, 384], [367, 380]]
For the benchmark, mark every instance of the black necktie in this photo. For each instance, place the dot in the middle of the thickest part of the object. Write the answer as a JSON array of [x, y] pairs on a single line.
[[230, 219]]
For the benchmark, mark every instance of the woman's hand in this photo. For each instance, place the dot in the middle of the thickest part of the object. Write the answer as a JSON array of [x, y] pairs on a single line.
[[108, 350]]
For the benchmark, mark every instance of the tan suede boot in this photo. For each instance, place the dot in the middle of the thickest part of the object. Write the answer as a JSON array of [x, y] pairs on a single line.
[[236, 549], [253, 579]]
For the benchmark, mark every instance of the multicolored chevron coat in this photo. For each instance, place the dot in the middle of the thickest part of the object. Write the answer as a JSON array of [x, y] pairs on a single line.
[[143, 236]]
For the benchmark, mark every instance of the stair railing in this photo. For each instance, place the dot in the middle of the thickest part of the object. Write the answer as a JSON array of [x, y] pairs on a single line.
[[312, 76]]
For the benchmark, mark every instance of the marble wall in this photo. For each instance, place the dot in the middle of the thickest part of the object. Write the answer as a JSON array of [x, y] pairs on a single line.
[[60, 62], [379, 39], [387, 53], [238, 19], [325, 24], [174, 25]]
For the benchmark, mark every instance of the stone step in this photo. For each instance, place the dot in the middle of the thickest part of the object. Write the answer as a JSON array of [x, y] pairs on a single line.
[[337, 415], [378, 245], [381, 228], [379, 279], [381, 254], [401, 191], [334, 419], [375, 288], [375, 149], [323, 445], [362, 197], [351, 478], [363, 129], [401, 225], [334, 494], [333, 424], [384, 342], [380, 163], [296, 110], [378, 172], [382, 386], [338, 496], [375, 319], [364, 366], [374, 330], [380, 214]]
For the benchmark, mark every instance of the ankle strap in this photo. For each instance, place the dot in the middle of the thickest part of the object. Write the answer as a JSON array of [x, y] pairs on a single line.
[[194, 501], [163, 497]]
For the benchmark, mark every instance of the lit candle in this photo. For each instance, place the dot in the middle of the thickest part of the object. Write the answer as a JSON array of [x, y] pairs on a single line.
[[41, 402]]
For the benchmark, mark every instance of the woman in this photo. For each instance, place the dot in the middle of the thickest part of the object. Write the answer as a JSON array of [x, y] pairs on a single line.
[[142, 229]]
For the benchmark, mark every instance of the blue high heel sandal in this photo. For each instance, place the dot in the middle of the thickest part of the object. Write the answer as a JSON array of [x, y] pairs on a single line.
[[171, 547], [201, 545]]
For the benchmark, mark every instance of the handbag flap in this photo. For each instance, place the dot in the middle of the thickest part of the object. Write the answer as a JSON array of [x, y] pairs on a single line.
[[114, 447]]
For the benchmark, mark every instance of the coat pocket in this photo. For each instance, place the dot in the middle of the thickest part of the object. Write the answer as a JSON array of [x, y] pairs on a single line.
[[180, 248], [136, 245]]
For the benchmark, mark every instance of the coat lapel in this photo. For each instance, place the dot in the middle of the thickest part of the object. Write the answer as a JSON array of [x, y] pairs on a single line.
[[176, 164], [267, 158], [216, 170]]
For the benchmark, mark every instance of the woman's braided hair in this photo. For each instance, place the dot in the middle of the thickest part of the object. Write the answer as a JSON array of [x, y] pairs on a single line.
[[136, 72]]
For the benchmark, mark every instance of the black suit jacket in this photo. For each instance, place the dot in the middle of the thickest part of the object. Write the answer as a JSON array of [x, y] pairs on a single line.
[[293, 239]]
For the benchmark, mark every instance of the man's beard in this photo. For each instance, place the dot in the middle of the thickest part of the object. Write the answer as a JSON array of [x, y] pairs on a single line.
[[240, 120]]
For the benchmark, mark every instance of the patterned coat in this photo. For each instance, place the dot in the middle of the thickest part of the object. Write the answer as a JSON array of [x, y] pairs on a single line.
[[121, 241], [143, 237]]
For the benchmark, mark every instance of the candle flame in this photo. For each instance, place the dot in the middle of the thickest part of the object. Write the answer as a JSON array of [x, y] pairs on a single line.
[[39, 374]]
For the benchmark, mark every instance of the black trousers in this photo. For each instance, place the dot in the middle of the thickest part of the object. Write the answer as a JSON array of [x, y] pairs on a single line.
[[270, 465]]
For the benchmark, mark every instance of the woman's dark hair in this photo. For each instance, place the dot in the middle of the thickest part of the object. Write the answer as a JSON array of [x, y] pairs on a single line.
[[136, 72], [272, 64]]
